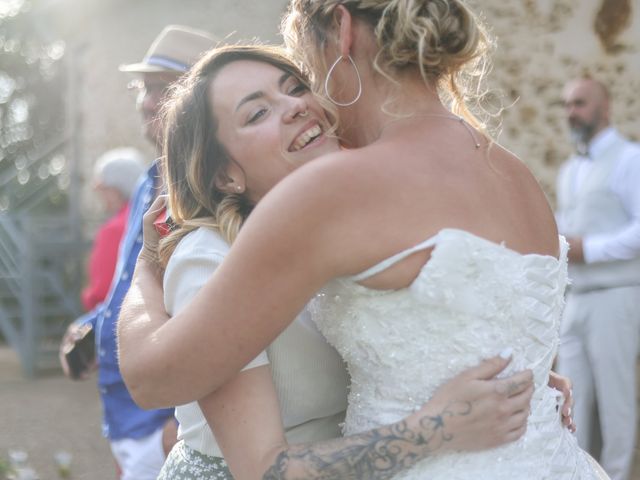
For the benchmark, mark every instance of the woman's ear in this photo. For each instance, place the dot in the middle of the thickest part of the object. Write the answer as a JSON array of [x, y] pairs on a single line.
[[230, 179], [345, 29]]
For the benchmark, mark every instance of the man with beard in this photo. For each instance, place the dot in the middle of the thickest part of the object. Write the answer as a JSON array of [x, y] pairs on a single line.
[[599, 213], [139, 439]]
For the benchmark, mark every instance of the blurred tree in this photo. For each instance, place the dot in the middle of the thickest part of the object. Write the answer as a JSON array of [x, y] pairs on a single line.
[[40, 230], [33, 173]]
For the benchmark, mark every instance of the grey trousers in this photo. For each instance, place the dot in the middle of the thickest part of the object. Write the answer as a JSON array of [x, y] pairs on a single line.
[[598, 351]]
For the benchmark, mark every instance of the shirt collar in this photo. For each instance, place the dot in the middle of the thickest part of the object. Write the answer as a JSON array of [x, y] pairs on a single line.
[[602, 141]]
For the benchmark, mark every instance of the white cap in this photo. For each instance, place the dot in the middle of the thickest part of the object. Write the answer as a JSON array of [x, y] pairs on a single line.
[[119, 168]]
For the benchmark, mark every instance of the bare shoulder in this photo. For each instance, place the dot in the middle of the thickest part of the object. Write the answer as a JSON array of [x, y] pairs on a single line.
[[332, 173], [312, 210], [515, 167], [324, 184], [528, 196]]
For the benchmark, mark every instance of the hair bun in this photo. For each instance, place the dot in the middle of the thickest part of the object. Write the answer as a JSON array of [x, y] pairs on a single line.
[[438, 36]]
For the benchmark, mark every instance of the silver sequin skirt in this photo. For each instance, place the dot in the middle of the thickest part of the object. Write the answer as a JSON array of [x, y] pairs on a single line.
[[184, 463]]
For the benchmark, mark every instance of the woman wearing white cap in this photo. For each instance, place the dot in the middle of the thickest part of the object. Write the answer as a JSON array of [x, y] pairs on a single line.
[[115, 176]]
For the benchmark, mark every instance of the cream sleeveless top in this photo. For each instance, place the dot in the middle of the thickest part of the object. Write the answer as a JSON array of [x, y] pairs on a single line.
[[309, 375]]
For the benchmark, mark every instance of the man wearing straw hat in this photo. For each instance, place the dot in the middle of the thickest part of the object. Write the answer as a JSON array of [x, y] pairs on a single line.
[[140, 439]]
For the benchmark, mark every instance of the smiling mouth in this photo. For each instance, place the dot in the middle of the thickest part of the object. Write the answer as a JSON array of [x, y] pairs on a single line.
[[305, 138]]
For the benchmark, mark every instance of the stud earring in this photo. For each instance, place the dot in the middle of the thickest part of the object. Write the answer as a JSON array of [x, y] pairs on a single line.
[[239, 188]]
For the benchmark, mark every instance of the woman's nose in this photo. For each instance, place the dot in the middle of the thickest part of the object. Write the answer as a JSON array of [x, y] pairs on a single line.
[[297, 108]]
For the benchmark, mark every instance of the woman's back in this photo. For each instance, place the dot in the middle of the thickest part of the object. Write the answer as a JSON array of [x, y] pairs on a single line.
[[472, 299], [424, 175], [466, 261]]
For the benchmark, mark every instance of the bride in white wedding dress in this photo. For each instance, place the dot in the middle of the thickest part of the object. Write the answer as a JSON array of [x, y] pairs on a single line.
[[481, 266], [472, 297]]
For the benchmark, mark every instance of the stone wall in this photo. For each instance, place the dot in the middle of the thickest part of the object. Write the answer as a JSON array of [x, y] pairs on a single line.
[[540, 44]]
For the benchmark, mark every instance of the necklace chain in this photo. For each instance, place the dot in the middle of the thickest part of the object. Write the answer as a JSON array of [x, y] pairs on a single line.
[[439, 115]]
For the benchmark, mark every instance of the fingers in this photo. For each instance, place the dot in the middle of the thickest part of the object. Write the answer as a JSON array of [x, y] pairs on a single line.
[[515, 384], [563, 384], [515, 434], [520, 402], [567, 421], [152, 213], [150, 235], [567, 410], [568, 403], [567, 407], [156, 207], [517, 420], [489, 368], [560, 383], [63, 363], [516, 412]]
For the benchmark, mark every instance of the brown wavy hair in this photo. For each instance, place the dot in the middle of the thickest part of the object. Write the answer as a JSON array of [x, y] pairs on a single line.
[[192, 155]]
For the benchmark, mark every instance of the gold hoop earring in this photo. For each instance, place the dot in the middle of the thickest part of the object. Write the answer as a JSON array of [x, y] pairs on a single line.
[[326, 83]]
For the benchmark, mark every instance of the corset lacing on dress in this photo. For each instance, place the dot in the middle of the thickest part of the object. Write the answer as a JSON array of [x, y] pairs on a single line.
[[472, 299]]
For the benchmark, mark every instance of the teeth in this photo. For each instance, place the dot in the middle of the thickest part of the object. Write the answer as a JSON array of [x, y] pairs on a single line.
[[304, 138]]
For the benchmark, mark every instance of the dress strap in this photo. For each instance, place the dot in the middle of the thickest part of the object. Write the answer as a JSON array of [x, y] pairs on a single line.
[[564, 248], [384, 264]]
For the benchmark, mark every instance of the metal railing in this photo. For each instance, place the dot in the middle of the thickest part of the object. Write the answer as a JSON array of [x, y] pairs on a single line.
[[41, 257], [40, 270]]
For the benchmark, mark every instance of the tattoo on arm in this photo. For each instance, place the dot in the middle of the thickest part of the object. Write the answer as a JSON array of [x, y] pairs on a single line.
[[376, 454]]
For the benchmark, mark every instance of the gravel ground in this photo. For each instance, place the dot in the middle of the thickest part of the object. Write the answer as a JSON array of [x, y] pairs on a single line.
[[50, 414]]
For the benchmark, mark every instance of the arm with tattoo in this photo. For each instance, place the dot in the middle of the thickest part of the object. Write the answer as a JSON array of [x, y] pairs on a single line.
[[472, 411], [377, 454]]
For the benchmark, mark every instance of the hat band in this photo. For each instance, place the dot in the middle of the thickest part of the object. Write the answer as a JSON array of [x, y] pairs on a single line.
[[165, 62]]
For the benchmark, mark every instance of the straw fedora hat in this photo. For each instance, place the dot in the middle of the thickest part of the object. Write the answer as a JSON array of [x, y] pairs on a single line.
[[176, 49]]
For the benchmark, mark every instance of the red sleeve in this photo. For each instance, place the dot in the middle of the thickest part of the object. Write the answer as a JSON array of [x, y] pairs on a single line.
[[102, 260]]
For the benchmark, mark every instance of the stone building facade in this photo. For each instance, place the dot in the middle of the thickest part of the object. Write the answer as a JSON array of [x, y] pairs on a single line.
[[542, 43], [539, 45]]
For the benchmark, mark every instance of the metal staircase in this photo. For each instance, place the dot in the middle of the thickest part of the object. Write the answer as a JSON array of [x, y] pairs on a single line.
[[40, 275], [41, 255]]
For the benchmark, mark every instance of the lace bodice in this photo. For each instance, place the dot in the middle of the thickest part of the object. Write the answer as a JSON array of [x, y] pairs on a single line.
[[471, 300]]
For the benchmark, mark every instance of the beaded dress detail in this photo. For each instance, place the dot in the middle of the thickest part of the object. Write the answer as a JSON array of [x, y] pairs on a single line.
[[470, 301]]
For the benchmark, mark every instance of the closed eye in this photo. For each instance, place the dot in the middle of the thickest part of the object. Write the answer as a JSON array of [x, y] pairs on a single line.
[[256, 116], [298, 89], [292, 85]]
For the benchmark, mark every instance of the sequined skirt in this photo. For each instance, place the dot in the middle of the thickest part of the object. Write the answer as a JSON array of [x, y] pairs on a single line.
[[184, 463]]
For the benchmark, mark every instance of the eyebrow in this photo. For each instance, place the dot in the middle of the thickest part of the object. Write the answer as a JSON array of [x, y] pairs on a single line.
[[255, 95]]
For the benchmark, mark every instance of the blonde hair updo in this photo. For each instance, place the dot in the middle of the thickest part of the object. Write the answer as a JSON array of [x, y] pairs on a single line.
[[442, 39]]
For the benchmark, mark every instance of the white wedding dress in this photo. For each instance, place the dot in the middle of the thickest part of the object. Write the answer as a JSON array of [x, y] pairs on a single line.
[[471, 300]]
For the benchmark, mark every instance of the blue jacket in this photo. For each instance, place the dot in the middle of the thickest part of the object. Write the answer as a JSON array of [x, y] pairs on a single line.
[[122, 417]]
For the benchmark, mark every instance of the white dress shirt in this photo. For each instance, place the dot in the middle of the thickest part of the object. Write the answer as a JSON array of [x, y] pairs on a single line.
[[623, 244]]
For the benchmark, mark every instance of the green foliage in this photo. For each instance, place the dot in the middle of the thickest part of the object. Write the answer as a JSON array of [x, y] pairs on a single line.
[[5, 469]]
